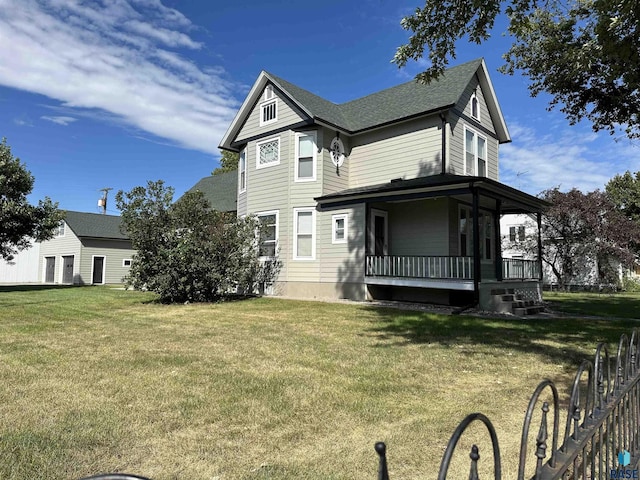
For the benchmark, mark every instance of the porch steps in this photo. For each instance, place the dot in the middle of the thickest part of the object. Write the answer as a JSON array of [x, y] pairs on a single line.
[[505, 300]]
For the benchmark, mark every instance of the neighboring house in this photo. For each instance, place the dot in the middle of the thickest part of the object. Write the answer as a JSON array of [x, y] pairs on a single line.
[[393, 196], [221, 190], [88, 248]]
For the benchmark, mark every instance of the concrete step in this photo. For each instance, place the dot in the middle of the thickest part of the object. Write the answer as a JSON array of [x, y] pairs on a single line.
[[530, 310]]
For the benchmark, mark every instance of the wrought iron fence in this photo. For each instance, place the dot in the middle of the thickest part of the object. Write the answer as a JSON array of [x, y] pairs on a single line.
[[601, 438], [438, 267]]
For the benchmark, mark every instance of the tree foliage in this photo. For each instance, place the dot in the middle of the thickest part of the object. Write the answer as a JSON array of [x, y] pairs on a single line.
[[584, 53], [186, 251], [584, 232], [624, 191], [228, 162], [21, 222]]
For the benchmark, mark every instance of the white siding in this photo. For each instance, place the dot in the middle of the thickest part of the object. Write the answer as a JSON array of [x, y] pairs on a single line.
[[58, 247], [23, 268]]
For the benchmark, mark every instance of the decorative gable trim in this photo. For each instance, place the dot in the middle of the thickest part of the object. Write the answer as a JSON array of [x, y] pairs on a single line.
[[255, 97]]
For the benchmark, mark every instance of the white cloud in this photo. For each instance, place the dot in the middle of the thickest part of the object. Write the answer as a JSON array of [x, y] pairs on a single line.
[[570, 158], [114, 57], [60, 120]]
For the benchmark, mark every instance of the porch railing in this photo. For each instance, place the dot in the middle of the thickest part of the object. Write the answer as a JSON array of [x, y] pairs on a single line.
[[519, 269], [460, 268]]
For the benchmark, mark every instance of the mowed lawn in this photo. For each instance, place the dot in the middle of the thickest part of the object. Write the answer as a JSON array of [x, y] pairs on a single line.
[[95, 379]]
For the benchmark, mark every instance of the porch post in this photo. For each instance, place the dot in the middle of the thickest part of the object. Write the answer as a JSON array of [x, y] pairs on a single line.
[[539, 219], [498, 240], [477, 265]]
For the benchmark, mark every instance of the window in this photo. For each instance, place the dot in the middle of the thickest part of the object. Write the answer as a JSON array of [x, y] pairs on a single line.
[[268, 233], [517, 234], [475, 162], [304, 229], [60, 230], [465, 228], [305, 170], [126, 262], [475, 106], [268, 92], [269, 108], [268, 153], [339, 228], [242, 171]]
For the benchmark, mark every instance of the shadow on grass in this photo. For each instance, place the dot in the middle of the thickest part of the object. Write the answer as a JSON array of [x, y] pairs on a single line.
[[560, 340], [33, 287], [596, 304]]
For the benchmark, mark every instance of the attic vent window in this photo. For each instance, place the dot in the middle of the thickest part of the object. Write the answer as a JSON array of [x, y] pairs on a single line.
[[269, 112], [268, 92], [475, 107]]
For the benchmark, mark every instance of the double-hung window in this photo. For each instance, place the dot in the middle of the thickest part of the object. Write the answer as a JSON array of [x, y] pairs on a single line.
[[268, 153], [475, 148], [269, 108], [517, 234], [304, 234], [268, 240], [340, 228], [242, 171], [305, 169]]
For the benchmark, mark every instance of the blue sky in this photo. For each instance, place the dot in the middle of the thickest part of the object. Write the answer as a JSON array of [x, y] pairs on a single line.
[[113, 93]]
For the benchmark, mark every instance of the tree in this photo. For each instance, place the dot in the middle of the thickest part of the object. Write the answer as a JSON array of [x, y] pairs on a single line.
[[186, 251], [584, 53], [20, 222], [624, 191], [583, 232], [228, 162]]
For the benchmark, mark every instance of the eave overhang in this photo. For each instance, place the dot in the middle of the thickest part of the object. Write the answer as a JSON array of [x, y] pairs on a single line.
[[512, 200]]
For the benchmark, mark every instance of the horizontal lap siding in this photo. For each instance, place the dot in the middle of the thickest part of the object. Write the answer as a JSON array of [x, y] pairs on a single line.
[[485, 128], [114, 252], [288, 114], [419, 228], [334, 181], [57, 247], [342, 262], [408, 150]]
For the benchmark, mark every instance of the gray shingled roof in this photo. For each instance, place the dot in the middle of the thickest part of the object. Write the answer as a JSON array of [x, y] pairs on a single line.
[[221, 190], [390, 105], [94, 225]]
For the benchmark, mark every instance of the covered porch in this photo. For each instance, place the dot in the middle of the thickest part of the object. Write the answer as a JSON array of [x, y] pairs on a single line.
[[440, 233]]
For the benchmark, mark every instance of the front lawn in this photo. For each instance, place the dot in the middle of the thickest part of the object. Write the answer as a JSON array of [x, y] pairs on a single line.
[[94, 379], [618, 305]]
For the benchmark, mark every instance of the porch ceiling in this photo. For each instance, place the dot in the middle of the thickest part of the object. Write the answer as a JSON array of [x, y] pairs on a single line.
[[513, 200]]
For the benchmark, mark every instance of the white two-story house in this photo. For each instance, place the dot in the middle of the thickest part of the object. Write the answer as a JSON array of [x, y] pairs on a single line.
[[394, 195]]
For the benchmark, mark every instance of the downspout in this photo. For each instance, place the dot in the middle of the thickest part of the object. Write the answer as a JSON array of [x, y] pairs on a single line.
[[444, 143]]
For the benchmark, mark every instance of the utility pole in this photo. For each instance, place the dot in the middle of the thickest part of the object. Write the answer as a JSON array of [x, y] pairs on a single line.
[[103, 201]]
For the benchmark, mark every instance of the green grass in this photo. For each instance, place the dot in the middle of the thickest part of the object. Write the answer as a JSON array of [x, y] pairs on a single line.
[[94, 379], [618, 305]]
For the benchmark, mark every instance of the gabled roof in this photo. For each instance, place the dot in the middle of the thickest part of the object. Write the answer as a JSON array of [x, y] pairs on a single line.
[[94, 225], [388, 106], [221, 190]]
